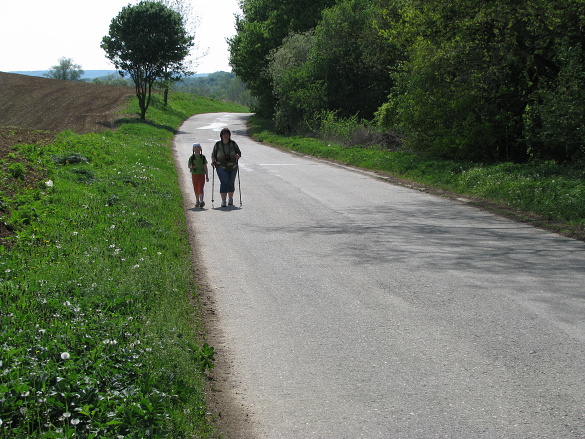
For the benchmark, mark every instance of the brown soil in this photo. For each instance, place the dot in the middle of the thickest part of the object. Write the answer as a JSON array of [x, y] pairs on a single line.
[[49, 104]]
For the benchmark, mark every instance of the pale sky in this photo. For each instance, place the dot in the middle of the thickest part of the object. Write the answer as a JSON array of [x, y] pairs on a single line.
[[34, 34]]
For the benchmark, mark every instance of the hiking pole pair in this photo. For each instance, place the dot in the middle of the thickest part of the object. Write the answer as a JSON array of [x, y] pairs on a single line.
[[213, 186]]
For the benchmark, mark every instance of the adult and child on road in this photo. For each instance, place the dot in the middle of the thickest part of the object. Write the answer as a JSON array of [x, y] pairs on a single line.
[[224, 159]]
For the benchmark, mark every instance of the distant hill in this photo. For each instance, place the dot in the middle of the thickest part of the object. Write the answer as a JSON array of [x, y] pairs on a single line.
[[88, 74]]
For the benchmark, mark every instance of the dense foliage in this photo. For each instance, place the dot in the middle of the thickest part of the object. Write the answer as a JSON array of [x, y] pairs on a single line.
[[496, 80], [260, 30]]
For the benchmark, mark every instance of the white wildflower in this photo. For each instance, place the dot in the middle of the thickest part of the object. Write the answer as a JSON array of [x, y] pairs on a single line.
[[65, 356], [49, 183]]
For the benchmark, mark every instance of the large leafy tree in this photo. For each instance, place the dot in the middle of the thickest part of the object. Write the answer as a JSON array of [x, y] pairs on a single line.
[[351, 58], [66, 70], [149, 42], [260, 30], [340, 68]]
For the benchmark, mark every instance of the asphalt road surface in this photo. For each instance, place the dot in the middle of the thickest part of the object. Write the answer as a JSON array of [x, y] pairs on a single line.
[[348, 307]]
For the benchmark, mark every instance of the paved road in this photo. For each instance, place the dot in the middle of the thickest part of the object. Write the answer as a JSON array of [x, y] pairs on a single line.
[[353, 308]]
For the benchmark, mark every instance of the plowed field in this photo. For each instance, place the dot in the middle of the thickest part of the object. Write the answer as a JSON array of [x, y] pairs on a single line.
[[49, 104]]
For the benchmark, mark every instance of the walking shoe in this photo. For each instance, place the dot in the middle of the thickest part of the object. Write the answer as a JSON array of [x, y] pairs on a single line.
[[223, 203], [197, 204], [231, 202], [202, 204]]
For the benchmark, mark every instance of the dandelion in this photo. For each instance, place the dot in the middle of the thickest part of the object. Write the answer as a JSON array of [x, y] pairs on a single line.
[[65, 356], [49, 183]]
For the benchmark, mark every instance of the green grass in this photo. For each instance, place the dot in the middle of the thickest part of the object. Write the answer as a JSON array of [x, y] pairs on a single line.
[[101, 334], [554, 193]]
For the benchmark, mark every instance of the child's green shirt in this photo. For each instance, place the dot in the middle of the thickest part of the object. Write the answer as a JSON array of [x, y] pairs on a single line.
[[197, 164]]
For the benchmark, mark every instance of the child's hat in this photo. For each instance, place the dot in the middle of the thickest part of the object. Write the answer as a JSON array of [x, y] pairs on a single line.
[[196, 144]]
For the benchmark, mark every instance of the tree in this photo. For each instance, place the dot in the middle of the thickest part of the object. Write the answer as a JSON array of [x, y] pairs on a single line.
[[351, 58], [66, 70], [340, 68], [260, 30], [149, 42]]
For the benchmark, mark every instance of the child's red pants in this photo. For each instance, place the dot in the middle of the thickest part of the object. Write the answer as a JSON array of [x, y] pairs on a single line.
[[198, 183]]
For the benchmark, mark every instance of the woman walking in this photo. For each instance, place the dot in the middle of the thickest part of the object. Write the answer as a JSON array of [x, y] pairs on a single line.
[[224, 159]]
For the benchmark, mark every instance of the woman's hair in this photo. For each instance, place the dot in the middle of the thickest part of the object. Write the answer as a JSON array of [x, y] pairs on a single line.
[[224, 131]]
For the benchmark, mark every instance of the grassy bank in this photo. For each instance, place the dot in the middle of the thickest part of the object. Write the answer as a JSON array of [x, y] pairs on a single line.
[[544, 194], [100, 328]]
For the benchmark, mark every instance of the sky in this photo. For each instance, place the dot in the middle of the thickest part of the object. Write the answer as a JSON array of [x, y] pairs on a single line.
[[35, 34]]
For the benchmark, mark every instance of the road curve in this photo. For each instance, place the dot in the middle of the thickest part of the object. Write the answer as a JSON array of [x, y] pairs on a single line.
[[347, 307]]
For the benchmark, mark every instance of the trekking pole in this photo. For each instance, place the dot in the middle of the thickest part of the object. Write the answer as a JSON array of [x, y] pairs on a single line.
[[239, 186], [212, 185]]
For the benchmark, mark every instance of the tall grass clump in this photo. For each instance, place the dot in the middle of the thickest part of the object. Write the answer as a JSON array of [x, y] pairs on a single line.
[[351, 131], [101, 334]]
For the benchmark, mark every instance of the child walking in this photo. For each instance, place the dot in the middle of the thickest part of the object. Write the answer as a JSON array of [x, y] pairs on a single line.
[[199, 174]]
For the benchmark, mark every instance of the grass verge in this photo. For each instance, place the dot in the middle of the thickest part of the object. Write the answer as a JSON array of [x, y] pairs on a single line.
[[100, 331], [543, 194]]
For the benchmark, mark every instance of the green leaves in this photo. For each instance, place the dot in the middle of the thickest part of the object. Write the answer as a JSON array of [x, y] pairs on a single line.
[[476, 79], [149, 42]]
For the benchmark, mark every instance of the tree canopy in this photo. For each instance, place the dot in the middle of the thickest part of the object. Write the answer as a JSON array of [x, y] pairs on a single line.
[[149, 42], [497, 80]]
